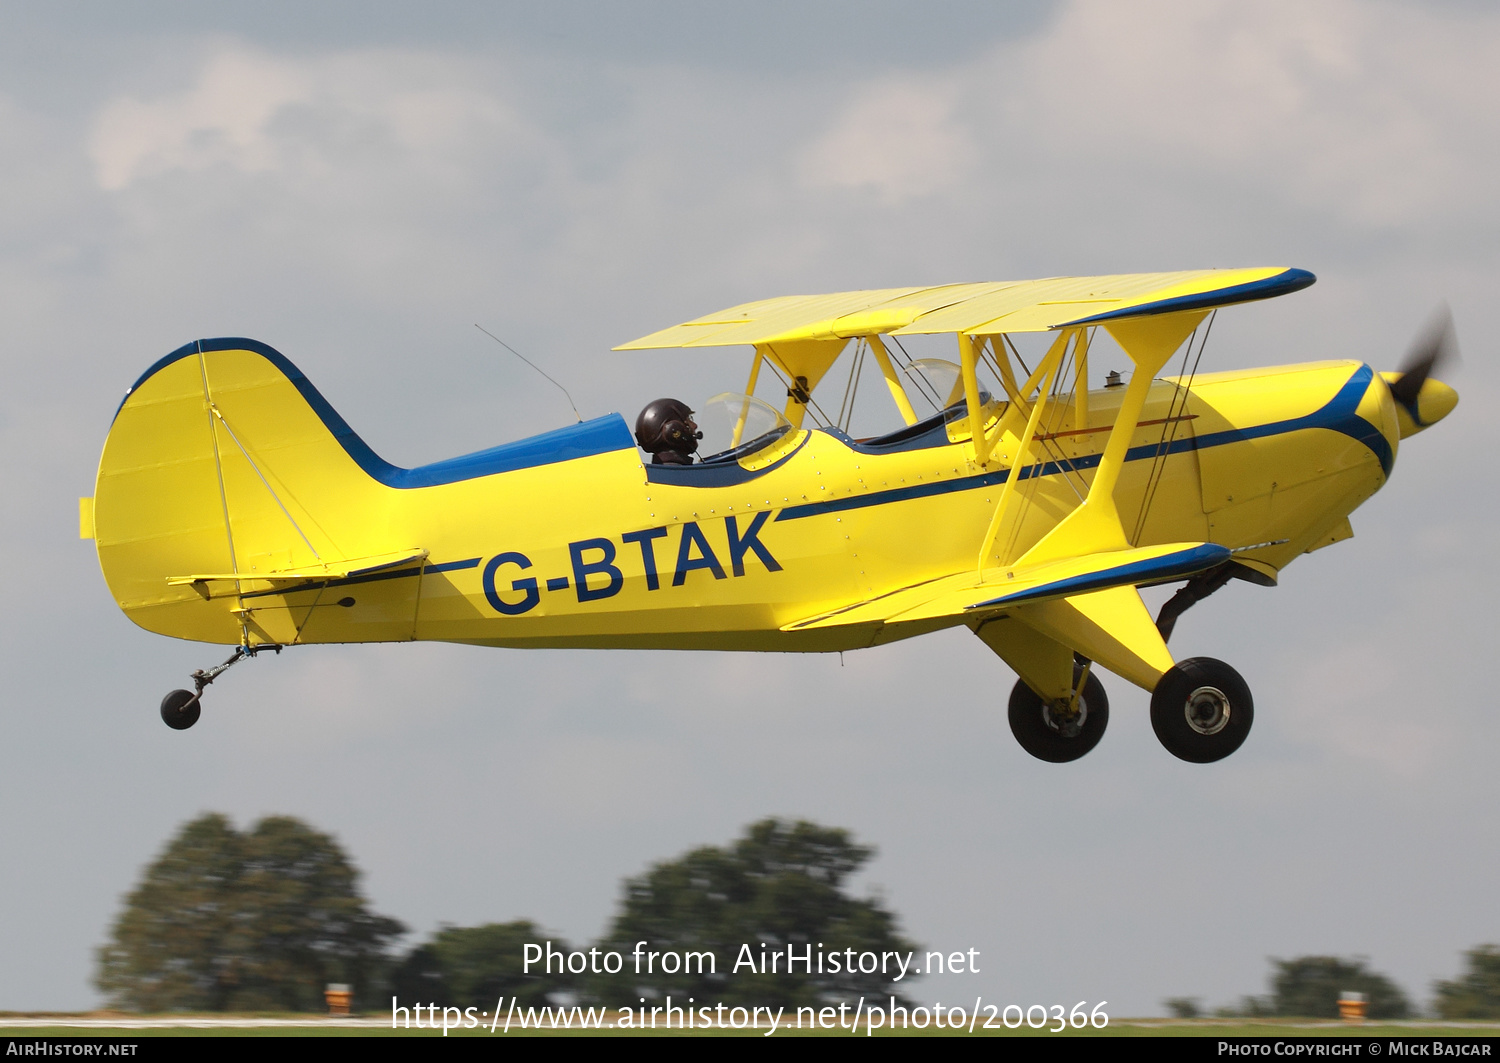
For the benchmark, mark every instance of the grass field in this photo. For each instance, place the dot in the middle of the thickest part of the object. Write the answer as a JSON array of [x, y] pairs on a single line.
[[97, 1024]]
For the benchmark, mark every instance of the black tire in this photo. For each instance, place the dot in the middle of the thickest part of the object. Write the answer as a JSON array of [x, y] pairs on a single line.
[[180, 709], [1201, 710], [1046, 737]]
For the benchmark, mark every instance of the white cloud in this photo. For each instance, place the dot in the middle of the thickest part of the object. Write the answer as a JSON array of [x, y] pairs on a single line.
[[224, 119], [309, 119], [1365, 108], [900, 140], [1373, 111]]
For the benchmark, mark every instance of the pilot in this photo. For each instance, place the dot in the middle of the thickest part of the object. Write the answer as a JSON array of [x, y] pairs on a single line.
[[666, 430]]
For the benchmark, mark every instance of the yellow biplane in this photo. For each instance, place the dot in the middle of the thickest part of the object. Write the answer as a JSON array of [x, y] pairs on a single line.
[[234, 506]]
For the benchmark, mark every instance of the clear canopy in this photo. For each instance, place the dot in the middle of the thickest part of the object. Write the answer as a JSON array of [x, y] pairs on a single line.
[[734, 422], [942, 378]]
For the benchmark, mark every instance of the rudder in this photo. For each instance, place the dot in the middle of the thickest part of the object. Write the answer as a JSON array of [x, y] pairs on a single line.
[[223, 459]]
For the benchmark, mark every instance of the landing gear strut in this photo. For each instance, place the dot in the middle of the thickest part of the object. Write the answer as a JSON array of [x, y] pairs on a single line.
[[181, 708]]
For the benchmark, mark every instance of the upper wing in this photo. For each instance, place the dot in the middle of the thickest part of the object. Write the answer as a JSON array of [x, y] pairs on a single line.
[[976, 309]]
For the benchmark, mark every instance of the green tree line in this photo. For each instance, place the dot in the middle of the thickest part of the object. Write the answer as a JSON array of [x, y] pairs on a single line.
[[1310, 987], [263, 919]]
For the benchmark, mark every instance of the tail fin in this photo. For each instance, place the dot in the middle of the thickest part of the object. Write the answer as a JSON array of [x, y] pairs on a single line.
[[224, 462]]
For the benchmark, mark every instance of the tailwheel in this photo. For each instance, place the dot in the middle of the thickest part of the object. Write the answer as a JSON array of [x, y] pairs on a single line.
[[1201, 710], [1062, 730], [180, 709]]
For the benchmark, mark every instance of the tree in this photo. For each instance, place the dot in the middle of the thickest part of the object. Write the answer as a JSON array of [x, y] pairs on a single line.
[[1183, 1007], [1476, 995], [170, 944], [1311, 985], [782, 884], [1249, 1007], [475, 966], [263, 920]]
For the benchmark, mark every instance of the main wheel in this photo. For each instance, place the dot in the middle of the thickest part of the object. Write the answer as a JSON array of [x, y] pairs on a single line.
[[1049, 731], [181, 709], [1201, 710]]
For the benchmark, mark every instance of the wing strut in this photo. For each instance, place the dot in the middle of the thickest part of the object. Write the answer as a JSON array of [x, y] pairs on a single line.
[[1048, 370], [739, 425], [1081, 380], [892, 381], [1095, 525], [968, 353]]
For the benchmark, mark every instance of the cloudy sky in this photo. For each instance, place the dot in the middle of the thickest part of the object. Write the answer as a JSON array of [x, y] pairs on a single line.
[[359, 184]]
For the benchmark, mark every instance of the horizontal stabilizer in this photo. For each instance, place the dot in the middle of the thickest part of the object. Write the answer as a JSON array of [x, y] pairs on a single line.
[[965, 595], [341, 569]]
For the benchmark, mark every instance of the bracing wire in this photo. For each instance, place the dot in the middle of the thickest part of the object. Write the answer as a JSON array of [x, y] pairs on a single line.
[[851, 387], [1064, 463], [1052, 419], [923, 387], [854, 395], [1012, 345], [1059, 411], [812, 404], [214, 409], [1176, 407]]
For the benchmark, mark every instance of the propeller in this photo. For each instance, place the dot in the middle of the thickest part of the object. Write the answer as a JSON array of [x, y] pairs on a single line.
[[1435, 344]]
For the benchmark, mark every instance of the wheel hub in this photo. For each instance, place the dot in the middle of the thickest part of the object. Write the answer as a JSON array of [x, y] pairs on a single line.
[[1067, 720], [1207, 710]]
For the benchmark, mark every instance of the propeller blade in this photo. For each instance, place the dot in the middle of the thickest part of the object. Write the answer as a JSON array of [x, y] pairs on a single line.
[[1435, 344]]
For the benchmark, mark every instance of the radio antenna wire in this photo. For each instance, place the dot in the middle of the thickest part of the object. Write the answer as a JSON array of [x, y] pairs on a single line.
[[533, 365]]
